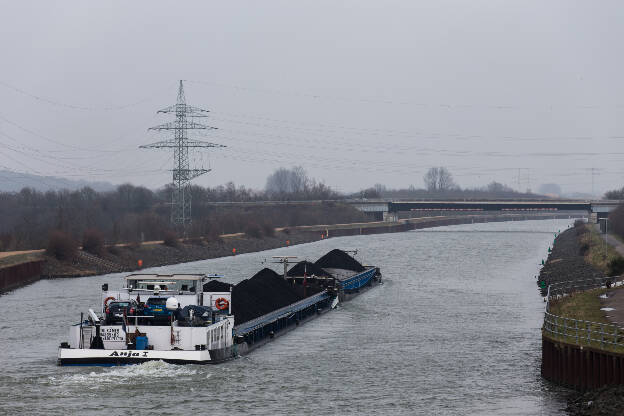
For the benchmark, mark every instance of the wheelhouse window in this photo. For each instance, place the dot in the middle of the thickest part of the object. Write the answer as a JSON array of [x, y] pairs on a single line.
[[166, 285]]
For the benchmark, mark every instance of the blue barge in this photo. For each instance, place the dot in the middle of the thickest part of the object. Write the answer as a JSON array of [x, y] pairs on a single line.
[[336, 277]]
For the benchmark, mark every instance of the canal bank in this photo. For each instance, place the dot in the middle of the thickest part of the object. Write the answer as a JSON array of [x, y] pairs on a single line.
[[133, 257], [582, 339]]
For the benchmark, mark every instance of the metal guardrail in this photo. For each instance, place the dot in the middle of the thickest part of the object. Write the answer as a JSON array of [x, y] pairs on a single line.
[[566, 288], [583, 332], [580, 332]]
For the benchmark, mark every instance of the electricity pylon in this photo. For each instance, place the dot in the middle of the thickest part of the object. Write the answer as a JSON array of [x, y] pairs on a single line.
[[181, 143]]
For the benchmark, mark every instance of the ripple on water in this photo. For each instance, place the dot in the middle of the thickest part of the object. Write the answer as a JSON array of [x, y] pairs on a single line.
[[455, 330]]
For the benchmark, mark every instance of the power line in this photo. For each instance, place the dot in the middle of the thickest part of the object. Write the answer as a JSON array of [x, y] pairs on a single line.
[[58, 103], [383, 101]]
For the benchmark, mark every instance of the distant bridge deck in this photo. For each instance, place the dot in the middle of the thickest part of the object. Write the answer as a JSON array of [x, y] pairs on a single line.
[[380, 206], [489, 206], [486, 205], [389, 210]]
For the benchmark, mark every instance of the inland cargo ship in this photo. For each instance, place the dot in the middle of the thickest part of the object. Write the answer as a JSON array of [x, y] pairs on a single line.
[[197, 319]]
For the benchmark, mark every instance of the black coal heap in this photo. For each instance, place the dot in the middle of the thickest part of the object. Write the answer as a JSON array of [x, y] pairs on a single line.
[[309, 268], [267, 291], [217, 286], [338, 259]]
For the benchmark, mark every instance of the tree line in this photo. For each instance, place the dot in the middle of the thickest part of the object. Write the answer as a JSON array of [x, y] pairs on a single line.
[[440, 184], [134, 213]]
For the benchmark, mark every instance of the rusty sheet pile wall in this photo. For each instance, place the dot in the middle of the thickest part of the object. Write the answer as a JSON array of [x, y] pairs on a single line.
[[581, 368], [19, 275]]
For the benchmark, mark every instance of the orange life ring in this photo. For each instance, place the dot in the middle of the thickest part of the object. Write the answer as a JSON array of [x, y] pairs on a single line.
[[108, 299], [222, 303]]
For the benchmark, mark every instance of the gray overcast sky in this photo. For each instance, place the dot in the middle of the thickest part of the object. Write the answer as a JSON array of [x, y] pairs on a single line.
[[356, 92]]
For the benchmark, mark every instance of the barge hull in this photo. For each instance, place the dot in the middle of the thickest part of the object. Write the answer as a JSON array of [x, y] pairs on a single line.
[[84, 356], [247, 347]]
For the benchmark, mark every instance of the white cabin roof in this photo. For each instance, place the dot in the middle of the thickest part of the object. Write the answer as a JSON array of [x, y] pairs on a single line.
[[165, 277]]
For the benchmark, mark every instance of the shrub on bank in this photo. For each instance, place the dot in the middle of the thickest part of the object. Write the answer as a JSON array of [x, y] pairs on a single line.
[[134, 245], [616, 266], [114, 250], [171, 239], [93, 241], [268, 229], [62, 246], [253, 229], [580, 227], [195, 241], [583, 248], [616, 221]]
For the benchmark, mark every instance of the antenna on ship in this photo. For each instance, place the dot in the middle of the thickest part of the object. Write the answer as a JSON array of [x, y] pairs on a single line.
[[284, 260]]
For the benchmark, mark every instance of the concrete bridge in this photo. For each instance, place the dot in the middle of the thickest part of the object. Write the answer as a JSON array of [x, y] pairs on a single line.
[[389, 210]]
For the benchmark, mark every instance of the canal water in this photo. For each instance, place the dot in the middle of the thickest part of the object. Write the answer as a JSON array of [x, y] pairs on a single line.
[[455, 330]]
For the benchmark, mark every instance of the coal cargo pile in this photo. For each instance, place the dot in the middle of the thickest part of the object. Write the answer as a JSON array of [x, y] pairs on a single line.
[[566, 262], [309, 269], [265, 292], [338, 259], [217, 286]]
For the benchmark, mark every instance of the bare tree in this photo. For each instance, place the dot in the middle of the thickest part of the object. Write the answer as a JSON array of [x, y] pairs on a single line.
[[431, 179], [439, 179], [617, 194], [288, 181], [497, 187], [445, 179]]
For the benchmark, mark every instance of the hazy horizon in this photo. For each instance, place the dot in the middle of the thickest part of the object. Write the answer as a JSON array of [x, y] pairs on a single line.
[[356, 92]]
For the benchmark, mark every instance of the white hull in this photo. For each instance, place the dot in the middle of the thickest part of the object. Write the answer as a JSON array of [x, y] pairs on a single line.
[[83, 356]]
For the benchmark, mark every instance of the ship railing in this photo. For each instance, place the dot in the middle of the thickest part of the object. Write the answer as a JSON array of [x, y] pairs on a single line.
[[279, 313], [352, 281], [584, 333]]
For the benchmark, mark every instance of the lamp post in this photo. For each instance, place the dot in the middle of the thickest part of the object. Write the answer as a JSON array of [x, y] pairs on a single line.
[[606, 220]]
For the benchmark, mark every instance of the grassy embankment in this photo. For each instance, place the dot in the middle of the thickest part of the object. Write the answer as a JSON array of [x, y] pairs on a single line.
[[11, 259], [593, 244], [585, 306]]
